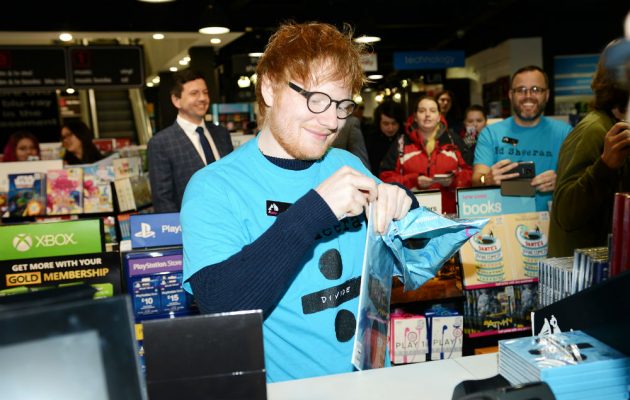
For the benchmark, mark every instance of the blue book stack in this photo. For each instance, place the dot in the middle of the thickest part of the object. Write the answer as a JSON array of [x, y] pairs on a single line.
[[574, 364]]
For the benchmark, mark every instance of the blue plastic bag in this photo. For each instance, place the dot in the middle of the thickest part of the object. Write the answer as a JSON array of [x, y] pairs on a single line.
[[414, 248], [434, 240]]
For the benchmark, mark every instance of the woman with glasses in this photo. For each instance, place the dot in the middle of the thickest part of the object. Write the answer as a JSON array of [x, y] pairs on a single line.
[[428, 156], [76, 138], [525, 136]]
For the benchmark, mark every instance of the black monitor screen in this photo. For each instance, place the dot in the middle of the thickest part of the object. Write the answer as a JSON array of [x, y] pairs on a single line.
[[77, 350]]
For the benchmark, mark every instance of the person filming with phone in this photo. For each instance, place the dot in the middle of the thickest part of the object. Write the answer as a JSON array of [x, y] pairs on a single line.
[[525, 136], [593, 165]]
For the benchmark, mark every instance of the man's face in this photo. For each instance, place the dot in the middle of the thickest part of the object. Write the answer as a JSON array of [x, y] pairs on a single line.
[[299, 133], [389, 126], [528, 106], [194, 101]]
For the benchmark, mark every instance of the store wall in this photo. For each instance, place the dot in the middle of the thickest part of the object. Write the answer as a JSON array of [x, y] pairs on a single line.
[[493, 63]]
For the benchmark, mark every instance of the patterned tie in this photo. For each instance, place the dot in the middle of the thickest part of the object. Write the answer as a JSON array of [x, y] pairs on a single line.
[[205, 145]]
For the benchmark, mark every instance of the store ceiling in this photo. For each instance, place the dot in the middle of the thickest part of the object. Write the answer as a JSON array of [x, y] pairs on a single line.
[[567, 27]]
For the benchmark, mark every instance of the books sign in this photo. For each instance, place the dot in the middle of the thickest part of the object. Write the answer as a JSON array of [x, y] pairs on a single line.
[[488, 202]]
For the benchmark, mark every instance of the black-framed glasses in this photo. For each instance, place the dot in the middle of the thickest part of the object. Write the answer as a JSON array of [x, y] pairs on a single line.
[[535, 90], [318, 102]]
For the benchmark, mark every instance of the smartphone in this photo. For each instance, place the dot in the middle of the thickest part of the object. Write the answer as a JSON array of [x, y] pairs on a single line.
[[525, 169], [443, 177]]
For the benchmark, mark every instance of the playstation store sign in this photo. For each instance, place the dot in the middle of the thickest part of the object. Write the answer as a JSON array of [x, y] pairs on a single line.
[[155, 230]]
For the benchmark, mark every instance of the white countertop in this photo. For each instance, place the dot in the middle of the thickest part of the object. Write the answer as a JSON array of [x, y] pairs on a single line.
[[433, 380]]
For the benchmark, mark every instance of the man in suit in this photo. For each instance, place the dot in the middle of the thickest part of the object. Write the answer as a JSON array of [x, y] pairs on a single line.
[[177, 152]]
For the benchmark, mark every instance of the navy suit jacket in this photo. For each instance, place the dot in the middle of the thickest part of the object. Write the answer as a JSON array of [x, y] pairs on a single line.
[[173, 160]]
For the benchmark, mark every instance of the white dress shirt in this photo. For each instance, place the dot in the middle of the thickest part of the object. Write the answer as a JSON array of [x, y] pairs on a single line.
[[189, 130]]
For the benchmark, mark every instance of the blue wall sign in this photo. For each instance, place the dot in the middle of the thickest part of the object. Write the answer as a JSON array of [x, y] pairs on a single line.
[[573, 74], [416, 60]]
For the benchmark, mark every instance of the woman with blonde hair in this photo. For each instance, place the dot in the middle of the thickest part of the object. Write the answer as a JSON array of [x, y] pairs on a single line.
[[429, 156]]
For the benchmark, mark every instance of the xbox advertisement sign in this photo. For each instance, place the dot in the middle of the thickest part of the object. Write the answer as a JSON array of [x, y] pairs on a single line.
[[50, 239], [101, 270], [22, 242]]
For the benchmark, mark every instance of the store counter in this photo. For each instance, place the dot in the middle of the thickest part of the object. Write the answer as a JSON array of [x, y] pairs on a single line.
[[430, 380]]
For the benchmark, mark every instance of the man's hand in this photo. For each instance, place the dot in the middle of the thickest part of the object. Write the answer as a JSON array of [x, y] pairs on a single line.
[[393, 203], [545, 182], [499, 172], [347, 192], [616, 145]]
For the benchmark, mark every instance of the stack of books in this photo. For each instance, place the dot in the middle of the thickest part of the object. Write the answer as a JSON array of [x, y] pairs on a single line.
[[574, 364]]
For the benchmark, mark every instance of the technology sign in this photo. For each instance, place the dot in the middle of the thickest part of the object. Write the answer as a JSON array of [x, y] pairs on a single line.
[[417, 60]]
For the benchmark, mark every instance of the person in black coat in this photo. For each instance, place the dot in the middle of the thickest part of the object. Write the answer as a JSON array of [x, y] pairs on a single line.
[[389, 118]]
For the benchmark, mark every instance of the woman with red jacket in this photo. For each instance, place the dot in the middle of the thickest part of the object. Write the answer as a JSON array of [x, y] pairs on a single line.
[[428, 156]]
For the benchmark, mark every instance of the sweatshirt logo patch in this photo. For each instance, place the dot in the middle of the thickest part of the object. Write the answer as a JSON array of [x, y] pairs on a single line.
[[275, 208]]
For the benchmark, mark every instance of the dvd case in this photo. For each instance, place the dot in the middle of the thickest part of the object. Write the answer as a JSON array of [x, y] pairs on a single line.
[[27, 194]]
